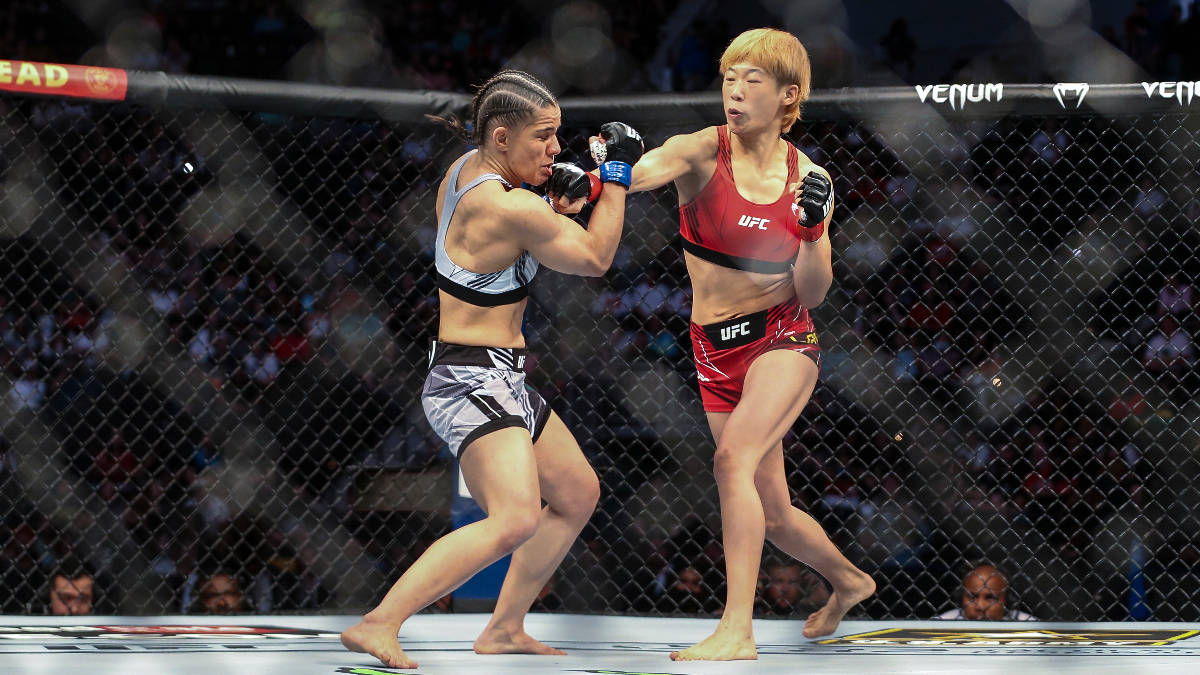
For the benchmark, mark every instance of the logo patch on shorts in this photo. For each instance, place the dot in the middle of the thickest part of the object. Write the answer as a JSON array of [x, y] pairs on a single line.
[[806, 338], [738, 331]]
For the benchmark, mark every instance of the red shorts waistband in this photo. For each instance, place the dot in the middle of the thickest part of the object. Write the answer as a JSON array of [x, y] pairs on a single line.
[[745, 329]]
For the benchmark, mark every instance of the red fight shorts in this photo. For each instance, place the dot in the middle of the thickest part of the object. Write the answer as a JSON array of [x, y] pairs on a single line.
[[724, 351]]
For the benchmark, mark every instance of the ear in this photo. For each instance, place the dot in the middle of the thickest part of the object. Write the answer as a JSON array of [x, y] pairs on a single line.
[[500, 138], [790, 93]]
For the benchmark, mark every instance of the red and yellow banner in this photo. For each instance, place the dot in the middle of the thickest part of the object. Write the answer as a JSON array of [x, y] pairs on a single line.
[[54, 79]]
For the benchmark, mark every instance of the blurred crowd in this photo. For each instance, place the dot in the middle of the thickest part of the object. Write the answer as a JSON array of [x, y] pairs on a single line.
[[1020, 298], [660, 45]]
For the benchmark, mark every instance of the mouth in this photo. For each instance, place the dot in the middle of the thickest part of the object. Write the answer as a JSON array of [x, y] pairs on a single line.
[[733, 113]]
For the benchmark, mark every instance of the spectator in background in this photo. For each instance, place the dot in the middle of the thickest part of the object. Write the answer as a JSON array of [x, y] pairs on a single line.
[[288, 580], [687, 594], [1170, 353], [985, 598], [691, 573], [72, 589], [791, 590], [1177, 297], [29, 389], [261, 364], [218, 593]]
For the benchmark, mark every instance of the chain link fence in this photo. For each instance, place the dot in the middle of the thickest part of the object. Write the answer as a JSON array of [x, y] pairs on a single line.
[[214, 319]]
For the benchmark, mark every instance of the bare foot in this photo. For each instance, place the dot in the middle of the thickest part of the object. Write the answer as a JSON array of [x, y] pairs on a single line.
[[825, 620], [501, 642], [723, 645], [378, 640]]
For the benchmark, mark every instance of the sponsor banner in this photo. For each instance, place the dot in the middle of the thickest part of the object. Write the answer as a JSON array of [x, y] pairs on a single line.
[[1011, 637], [1182, 92], [958, 95], [1070, 95], [32, 77], [11, 633]]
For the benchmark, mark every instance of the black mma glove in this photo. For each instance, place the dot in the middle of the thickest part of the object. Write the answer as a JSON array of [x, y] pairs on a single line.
[[620, 150], [572, 182], [815, 198]]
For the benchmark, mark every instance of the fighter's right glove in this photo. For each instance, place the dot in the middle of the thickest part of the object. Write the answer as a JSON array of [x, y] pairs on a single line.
[[617, 149], [571, 182]]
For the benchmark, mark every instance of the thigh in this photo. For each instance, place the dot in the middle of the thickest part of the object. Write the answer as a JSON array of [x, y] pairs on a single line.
[[464, 403], [777, 387], [563, 472], [501, 471]]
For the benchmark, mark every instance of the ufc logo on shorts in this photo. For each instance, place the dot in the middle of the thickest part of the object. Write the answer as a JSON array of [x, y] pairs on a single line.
[[747, 221], [730, 332]]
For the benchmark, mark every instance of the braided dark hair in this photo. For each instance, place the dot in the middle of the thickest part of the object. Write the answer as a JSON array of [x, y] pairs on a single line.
[[510, 98]]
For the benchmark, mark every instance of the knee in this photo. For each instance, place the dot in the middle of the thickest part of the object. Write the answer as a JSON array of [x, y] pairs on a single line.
[[731, 463], [515, 528], [584, 495]]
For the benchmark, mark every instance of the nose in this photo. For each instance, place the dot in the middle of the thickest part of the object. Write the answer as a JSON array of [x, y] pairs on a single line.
[[735, 91], [555, 148]]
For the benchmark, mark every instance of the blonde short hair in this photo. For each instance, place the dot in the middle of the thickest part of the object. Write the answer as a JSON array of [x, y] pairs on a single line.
[[780, 54]]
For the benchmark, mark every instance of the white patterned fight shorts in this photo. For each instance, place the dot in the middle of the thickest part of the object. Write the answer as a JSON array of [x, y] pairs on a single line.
[[471, 391]]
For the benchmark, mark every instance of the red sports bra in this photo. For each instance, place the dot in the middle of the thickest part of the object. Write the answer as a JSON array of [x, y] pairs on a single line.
[[722, 227]]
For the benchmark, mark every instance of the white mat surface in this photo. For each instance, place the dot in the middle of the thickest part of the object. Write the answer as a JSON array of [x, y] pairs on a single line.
[[303, 645]]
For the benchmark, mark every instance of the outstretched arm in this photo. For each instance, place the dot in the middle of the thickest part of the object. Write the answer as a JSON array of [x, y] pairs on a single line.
[[678, 156]]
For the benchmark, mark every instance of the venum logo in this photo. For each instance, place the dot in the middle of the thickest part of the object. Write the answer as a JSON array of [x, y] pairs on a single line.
[[747, 221], [958, 94], [1182, 92], [1067, 91], [730, 332]]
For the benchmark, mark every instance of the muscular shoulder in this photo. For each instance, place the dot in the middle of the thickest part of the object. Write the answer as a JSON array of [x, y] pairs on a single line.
[[510, 202], [518, 210], [492, 205], [697, 154], [695, 147]]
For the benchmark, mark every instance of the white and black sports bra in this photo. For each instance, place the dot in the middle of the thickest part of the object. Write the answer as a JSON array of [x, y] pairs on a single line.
[[492, 289]]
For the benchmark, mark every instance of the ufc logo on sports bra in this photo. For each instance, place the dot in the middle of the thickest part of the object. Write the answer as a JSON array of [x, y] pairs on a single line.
[[730, 332], [747, 221]]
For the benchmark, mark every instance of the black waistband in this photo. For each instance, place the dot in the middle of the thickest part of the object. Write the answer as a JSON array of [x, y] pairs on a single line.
[[450, 354], [736, 262], [738, 331], [479, 298]]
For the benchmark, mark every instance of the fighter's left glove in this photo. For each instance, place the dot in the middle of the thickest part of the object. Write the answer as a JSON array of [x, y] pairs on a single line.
[[617, 149], [815, 198]]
